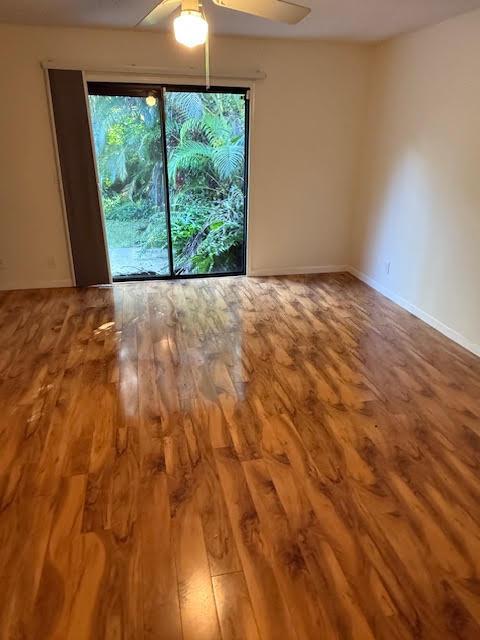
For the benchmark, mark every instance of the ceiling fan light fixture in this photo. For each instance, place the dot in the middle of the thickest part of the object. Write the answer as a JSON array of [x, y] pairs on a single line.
[[190, 28]]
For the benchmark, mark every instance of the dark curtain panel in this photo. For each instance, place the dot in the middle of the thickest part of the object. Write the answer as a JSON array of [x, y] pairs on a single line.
[[78, 177]]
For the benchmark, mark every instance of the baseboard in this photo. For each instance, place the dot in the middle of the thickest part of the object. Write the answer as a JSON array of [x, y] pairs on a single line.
[[291, 271], [416, 311], [35, 284]]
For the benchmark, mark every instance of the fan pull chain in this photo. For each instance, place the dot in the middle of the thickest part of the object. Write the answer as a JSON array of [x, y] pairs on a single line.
[[207, 53], [207, 62]]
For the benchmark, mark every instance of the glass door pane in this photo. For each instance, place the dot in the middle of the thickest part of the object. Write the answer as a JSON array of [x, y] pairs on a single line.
[[127, 132], [206, 136]]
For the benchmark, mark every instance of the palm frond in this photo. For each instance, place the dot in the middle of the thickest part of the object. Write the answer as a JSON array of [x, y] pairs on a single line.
[[188, 103], [189, 155], [228, 159], [216, 128], [190, 128]]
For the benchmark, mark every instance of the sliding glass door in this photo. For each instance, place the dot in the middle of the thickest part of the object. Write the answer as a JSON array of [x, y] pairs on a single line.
[[206, 146], [172, 171], [128, 140]]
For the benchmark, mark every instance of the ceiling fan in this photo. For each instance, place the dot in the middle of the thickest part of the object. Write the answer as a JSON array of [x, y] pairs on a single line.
[[191, 26]]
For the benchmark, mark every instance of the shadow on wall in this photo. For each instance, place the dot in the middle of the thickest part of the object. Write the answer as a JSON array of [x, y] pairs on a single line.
[[399, 226]]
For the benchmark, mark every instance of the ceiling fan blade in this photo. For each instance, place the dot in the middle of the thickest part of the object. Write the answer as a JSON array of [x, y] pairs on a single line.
[[159, 13], [276, 10]]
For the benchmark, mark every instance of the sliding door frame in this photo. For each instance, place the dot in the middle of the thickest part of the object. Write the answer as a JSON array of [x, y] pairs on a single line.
[[158, 90]]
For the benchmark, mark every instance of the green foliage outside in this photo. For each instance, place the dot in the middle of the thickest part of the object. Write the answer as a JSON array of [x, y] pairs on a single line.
[[205, 146]]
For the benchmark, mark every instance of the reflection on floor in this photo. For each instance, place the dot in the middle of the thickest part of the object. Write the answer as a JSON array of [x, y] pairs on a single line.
[[235, 458]]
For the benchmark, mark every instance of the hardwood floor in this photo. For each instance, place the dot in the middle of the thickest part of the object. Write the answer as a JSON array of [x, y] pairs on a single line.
[[245, 459]]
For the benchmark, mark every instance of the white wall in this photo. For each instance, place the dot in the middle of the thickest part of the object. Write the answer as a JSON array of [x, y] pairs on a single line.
[[306, 127], [419, 187]]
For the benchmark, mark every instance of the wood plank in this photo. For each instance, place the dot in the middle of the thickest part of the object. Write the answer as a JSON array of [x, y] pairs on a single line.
[[235, 613], [292, 572], [197, 605], [72, 574], [269, 605], [160, 602]]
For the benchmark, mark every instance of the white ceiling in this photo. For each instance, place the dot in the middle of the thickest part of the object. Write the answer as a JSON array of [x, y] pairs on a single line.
[[346, 19]]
